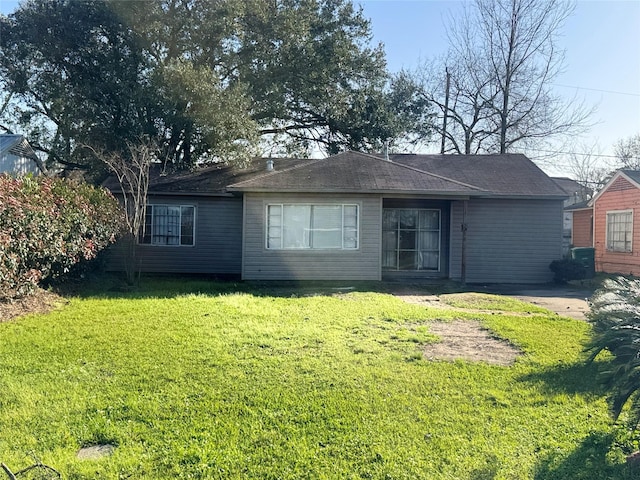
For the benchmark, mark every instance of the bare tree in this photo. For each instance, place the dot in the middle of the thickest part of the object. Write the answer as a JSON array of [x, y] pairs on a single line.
[[588, 169], [628, 152], [503, 58], [132, 170]]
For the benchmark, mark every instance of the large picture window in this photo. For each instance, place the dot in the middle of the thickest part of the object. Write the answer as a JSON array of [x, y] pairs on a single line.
[[169, 225], [298, 226], [619, 231], [411, 239]]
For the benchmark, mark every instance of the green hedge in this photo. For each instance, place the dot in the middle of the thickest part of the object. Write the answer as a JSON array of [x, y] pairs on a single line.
[[47, 226]]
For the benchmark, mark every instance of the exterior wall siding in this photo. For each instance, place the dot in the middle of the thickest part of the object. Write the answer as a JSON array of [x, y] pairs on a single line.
[[218, 240], [507, 241], [260, 263], [13, 164], [621, 195], [582, 230]]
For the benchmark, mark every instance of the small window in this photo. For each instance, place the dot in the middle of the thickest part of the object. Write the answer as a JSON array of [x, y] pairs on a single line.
[[320, 227], [172, 225], [619, 231]]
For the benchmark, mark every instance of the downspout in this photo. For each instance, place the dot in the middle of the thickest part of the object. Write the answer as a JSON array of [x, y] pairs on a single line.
[[463, 256]]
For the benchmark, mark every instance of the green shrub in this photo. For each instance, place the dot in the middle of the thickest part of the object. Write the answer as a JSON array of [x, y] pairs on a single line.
[[615, 316], [47, 226], [567, 269]]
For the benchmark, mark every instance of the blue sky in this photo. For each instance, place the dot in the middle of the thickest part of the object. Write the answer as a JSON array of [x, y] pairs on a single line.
[[602, 63], [602, 59]]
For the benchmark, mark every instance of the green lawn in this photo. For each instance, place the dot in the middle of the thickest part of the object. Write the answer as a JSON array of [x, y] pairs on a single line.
[[189, 379]]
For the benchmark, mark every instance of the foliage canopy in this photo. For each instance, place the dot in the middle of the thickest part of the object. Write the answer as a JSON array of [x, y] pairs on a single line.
[[206, 80], [615, 316], [49, 225]]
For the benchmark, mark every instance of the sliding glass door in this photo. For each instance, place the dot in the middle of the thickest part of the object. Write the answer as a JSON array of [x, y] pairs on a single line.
[[411, 239]]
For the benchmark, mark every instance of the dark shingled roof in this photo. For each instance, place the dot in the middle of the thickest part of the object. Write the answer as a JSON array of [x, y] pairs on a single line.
[[209, 179], [485, 175], [508, 174], [353, 172], [569, 185], [632, 174], [579, 206]]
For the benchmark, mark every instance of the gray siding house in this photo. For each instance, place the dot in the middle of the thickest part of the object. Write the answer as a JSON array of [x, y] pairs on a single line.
[[355, 216]]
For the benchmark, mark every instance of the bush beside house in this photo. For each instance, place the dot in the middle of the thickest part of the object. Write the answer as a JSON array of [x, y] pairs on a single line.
[[49, 225]]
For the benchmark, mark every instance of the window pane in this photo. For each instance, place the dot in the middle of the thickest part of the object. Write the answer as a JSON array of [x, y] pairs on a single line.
[[327, 226], [429, 260], [274, 226], [389, 219], [297, 226], [408, 219], [350, 216], [146, 238], [429, 240], [429, 219], [350, 238], [390, 240], [172, 223], [407, 240], [186, 225], [407, 261], [389, 259], [350, 226]]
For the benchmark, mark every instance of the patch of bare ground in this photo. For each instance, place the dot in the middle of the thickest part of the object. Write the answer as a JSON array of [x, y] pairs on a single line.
[[425, 300], [41, 301], [468, 340], [463, 340]]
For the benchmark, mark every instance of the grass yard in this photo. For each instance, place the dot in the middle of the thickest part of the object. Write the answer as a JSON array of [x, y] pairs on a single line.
[[189, 379]]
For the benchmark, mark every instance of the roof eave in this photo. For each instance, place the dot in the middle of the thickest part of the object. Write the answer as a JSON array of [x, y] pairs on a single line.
[[532, 196], [181, 194], [352, 191]]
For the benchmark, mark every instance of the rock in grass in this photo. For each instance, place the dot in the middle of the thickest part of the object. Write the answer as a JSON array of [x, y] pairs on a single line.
[[95, 452]]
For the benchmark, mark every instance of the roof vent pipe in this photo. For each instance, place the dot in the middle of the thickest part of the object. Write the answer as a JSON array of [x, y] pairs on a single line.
[[270, 166], [386, 150]]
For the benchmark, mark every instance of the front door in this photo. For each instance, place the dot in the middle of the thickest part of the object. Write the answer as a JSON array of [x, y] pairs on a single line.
[[411, 239]]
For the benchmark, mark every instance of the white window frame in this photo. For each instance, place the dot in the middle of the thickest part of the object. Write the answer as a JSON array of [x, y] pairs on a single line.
[[611, 247], [150, 235], [311, 247]]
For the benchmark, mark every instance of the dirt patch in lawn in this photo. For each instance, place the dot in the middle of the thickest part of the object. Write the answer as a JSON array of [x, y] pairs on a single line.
[[468, 340], [41, 301], [463, 340]]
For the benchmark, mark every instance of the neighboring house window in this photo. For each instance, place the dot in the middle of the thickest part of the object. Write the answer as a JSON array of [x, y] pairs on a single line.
[[411, 239], [619, 231], [298, 226], [169, 225]]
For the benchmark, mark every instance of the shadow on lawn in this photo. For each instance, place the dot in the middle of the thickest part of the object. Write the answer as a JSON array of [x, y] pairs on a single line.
[[106, 285], [578, 377], [589, 461]]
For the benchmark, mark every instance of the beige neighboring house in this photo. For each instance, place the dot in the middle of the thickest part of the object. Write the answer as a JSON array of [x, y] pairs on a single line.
[[17, 157]]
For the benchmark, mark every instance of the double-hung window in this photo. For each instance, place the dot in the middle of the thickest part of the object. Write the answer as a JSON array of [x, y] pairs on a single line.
[[299, 226], [619, 231], [169, 225]]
